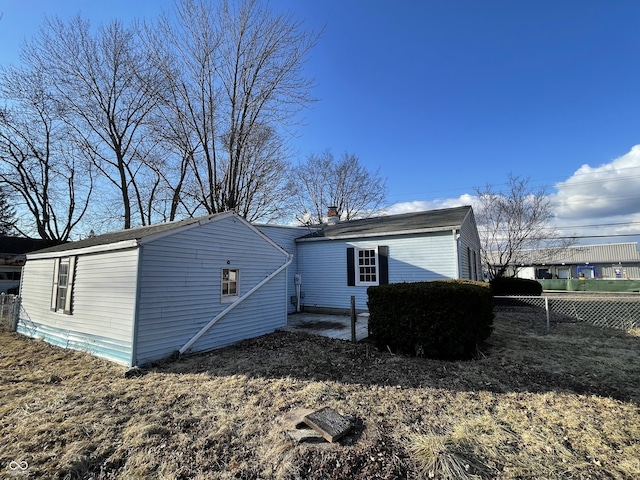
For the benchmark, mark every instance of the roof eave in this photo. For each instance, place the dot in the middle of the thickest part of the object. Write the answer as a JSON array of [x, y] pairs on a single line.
[[393, 233], [107, 247]]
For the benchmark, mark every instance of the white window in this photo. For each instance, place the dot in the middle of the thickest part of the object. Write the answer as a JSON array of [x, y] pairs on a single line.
[[61, 295], [230, 284], [367, 267]]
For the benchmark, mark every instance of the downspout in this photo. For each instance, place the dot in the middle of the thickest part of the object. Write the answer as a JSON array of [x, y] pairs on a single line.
[[456, 238], [234, 305]]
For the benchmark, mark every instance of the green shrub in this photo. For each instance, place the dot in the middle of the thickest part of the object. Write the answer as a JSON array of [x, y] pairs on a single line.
[[515, 286], [446, 319]]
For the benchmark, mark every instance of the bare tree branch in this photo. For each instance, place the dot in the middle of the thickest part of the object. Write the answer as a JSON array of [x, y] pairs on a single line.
[[514, 227], [322, 182], [39, 165]]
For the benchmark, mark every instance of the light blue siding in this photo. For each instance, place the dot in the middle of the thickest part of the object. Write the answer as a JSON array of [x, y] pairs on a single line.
[[285, 237], [180, 288], [412, 258], [470, 263], [103, 304], [104, 347]]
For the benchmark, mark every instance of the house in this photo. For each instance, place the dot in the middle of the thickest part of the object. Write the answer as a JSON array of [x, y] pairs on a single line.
[[139, 295], [341, 259], [13, 252], [607, 261]]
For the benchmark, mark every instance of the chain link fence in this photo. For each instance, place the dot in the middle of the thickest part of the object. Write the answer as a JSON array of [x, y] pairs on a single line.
[[611, 311], [9, 310]]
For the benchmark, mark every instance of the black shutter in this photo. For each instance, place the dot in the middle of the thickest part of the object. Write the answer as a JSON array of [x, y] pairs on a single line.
[[351, 267], [383, 260]]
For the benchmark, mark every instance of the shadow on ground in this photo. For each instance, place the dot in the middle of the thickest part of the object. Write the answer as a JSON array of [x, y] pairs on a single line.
[[514, 360]]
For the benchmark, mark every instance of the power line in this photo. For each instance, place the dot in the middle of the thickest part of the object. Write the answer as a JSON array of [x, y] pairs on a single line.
[[600, 225], [577, 237]]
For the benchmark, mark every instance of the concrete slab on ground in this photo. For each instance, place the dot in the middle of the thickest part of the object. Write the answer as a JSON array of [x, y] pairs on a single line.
[[326, 325]]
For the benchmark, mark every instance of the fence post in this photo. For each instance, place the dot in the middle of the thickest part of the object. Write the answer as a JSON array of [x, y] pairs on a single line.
[[546, 307], [353, 319]]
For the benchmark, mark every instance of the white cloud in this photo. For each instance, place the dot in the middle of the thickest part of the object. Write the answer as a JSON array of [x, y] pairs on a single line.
[[596, 204], [423, 205], [610, 190]]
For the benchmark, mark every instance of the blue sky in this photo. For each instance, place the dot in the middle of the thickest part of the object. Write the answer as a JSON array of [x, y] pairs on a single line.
[[445, 96]]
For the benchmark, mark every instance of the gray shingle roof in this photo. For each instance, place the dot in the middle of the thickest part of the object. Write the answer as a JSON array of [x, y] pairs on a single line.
[[442, 219], [123, 235], [20, 245]]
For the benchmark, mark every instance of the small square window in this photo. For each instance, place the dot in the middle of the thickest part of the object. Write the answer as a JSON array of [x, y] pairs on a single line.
[[230, 283]]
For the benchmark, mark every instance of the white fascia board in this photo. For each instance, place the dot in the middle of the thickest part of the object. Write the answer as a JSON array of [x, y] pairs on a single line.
[[109, 247], [380, 234]]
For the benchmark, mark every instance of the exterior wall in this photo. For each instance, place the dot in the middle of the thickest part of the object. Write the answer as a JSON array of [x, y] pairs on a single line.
[[412, 258], [627, 270], [604, 271], [612, 261], [285, 237], [103, 298], [470, 261], [180, 288], [528, 273]]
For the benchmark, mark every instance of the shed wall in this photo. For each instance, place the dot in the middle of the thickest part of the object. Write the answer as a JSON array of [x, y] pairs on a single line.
[[180, 288], [103, 304]]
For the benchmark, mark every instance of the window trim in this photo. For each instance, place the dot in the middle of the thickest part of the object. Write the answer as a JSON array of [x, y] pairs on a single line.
[[229, 297], [64, 307], [357, 265]]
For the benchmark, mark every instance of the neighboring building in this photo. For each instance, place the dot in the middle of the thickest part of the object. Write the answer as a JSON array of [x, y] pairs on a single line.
[[139, 295], [13, 252], [342, 259], [608, 261]]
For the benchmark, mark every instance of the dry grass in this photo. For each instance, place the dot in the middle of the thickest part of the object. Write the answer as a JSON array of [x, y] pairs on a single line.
[[563, 405]]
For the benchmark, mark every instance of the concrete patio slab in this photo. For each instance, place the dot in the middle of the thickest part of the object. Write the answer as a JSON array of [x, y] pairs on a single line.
[[327, 325]]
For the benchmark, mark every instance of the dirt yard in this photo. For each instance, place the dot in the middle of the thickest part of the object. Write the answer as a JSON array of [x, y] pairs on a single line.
[[564, 405]]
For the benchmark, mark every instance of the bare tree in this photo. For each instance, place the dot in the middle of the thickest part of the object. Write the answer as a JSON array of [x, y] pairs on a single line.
[[322, 181], [39, 166], [234, 83], [8, 218], [108, 88], [515, 226]]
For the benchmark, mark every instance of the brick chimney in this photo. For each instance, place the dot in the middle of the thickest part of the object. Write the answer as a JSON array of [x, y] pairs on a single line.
[[332, 216]]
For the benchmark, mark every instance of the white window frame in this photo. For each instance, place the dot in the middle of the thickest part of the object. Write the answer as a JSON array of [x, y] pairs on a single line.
[[62, 291], [225, 280], [358, 265]]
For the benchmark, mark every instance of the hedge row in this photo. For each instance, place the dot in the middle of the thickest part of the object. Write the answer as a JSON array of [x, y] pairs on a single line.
[[516, 286], [445, 319]]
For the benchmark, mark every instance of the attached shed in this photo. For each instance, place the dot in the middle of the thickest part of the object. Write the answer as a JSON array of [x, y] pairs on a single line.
[[343, 259], [139, 295]]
